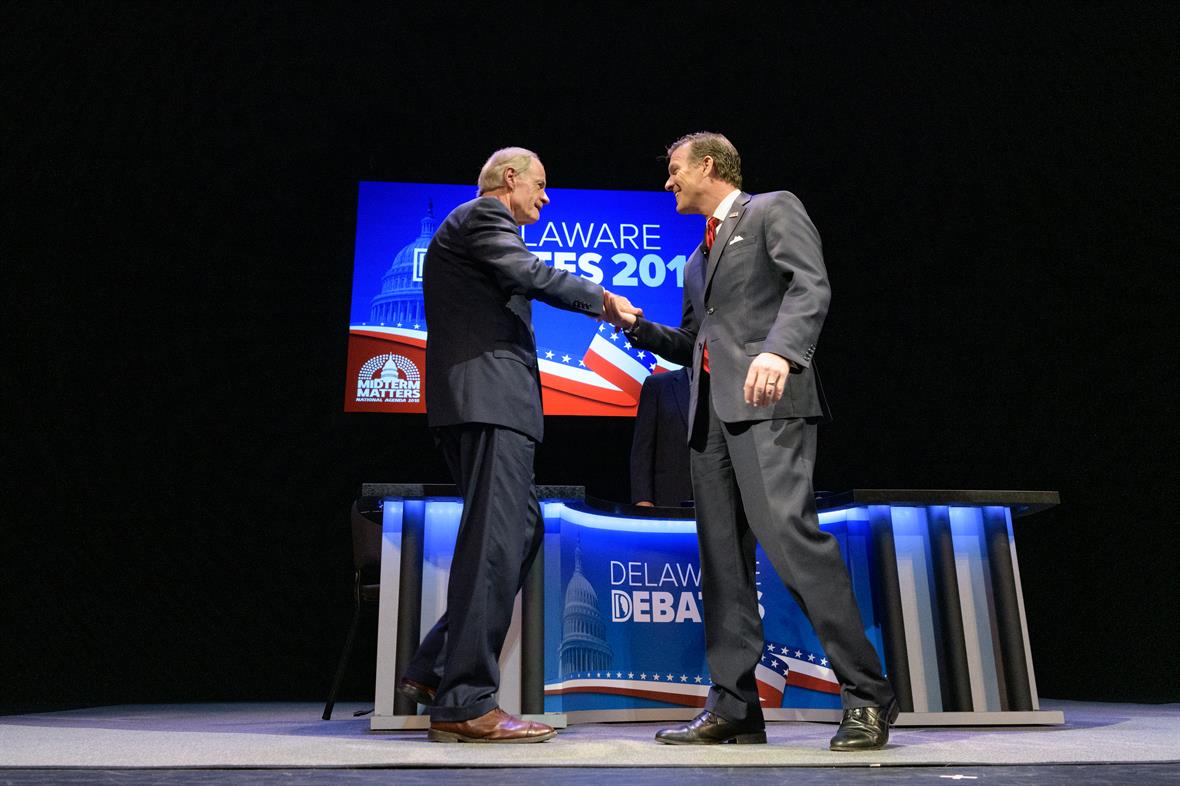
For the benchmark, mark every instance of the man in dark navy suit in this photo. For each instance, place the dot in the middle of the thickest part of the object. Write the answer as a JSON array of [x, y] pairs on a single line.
[[659, 449], [483, 401]]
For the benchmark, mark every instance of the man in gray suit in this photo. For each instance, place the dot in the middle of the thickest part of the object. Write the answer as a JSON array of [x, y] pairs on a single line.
[[483, 401], [755, 297]]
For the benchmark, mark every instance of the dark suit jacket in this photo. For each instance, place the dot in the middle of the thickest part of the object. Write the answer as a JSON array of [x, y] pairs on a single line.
[[659, 449], [763, 288], [478, 281]]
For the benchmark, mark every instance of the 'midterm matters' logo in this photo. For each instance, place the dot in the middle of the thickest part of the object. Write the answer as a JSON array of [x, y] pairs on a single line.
[[389, 378]]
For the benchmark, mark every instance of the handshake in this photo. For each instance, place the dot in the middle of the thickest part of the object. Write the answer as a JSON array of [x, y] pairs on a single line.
[[618, 311]]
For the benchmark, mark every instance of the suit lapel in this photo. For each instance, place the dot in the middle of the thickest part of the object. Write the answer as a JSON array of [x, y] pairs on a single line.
[[724, 233]]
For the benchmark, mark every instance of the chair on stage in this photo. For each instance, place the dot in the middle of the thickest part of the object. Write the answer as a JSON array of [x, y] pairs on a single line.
[[366, 557]]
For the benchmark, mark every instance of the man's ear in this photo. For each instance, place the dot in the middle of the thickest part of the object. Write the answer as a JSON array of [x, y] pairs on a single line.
[[707, 162], [510, 177]]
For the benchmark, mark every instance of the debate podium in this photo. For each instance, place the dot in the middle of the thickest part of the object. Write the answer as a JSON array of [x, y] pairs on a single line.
[[607, 627]]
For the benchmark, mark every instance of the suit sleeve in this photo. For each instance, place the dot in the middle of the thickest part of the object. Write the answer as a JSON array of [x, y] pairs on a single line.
[[643, 445], [494, 239], [675, 344], [793, 246]]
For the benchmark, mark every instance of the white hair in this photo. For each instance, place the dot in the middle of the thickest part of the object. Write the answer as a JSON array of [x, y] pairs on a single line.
[[492, 174]]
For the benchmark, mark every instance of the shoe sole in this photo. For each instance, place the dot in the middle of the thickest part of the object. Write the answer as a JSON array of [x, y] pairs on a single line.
[[859, 750], [757, 738], [434, 735]]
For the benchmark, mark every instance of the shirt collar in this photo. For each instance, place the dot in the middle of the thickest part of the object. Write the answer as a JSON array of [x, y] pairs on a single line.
[[723, 209]]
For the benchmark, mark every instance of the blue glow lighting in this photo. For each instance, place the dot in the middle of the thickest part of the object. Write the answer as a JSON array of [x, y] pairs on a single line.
[[583, 518], [552, 509], [966, 522], [908, 520], [391, 514], [828, 517], [442, 518]]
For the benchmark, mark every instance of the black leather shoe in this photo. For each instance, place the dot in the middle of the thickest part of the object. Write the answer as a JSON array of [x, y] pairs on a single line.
[[864, 728], [422, 694], [710, 729]]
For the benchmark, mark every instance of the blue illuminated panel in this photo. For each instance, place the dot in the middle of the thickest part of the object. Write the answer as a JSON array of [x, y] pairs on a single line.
[[631, 242]]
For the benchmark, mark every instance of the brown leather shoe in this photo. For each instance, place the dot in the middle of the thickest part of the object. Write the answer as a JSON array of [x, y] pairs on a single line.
[[421, 694], [494, 726]]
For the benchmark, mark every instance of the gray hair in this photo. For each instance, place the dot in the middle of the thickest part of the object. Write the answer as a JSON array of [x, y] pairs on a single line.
[[492, 175], [726, 161]]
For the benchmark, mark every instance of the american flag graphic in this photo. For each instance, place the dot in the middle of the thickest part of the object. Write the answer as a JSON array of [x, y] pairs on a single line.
[[603, 378], [609, 373], [781, 666]]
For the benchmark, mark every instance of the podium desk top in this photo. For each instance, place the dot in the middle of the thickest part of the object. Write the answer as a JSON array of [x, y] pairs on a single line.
[[1021, 503]]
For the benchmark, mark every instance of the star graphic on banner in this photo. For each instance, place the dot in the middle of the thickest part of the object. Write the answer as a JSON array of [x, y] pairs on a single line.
[[627, 345], [798, 653], [670, 677], [698, 679], [630, 675], [618, 674], [565, 358], [652, 367], [582, 363], [684, 678], [642, 354], [655, 676], [399, 324], [811, 658], [601, 327], [770, 647], [643, 676], [764, 659], [823, 662], [416, 326], [549, 355], [614, 337]]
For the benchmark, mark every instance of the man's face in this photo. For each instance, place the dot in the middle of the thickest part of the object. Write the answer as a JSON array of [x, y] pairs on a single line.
[[528, 194], [686, 181]]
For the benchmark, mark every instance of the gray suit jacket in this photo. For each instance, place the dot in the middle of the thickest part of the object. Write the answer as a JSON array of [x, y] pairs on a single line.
[[763, 288], [478, 281]]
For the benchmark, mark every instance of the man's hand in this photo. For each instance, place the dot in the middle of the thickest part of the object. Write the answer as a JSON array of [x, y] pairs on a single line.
[[767, 380], [618, 311]]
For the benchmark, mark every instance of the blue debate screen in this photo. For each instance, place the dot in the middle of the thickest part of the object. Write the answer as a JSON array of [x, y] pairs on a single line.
[[632, 242]]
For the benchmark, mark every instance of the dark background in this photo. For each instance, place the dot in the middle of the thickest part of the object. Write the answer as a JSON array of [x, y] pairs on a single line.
[[996, 190]]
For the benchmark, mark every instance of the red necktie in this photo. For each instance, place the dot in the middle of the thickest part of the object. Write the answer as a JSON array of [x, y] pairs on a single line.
[[711, 232], [710, 235]]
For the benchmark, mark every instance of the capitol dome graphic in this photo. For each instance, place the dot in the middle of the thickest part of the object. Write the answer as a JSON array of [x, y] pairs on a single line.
[[583, 641], [400, 300], [389, 370]]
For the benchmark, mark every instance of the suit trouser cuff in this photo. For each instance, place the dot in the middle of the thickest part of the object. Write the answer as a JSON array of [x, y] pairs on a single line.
[[460, 714], [427, 678], [731, 708]]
